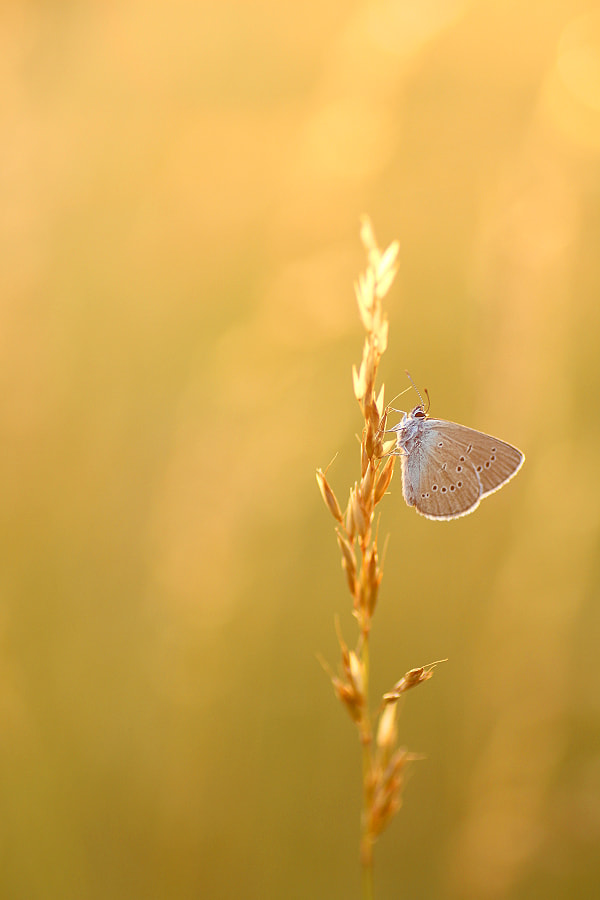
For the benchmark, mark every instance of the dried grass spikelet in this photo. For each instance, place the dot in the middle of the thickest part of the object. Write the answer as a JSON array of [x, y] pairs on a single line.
[[410, 680], [349, 688], [384, 477], [387, 785], [328, 496]]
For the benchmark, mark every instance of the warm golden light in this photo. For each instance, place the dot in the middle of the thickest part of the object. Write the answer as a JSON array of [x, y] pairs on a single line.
[[182, 186]]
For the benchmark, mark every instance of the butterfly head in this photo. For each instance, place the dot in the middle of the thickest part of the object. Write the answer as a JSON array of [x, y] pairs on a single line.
[[418, 413]]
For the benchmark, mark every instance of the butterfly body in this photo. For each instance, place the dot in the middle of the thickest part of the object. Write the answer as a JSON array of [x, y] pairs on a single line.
[[448, 468]]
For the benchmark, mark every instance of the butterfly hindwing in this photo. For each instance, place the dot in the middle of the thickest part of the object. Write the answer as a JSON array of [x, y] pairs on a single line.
[[437, 480]]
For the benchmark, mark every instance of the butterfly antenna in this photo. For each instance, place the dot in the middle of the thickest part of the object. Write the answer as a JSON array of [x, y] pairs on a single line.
[[416, 389], [428, 400]]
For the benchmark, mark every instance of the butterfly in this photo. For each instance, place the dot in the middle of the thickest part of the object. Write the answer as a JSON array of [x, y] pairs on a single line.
[[448, 468]]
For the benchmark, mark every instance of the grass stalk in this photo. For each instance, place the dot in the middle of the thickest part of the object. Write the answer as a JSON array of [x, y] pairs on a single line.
[[383, 761]]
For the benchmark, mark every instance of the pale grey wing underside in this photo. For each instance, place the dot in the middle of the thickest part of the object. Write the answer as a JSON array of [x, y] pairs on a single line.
[[431, 483], [495, 461], [453, 467]]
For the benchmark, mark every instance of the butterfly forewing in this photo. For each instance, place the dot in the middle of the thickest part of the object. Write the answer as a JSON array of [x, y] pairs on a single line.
[[437, 479], [495, 461]]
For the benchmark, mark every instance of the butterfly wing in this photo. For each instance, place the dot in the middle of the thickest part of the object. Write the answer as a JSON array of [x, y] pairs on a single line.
[[495, 461], [437, 477]]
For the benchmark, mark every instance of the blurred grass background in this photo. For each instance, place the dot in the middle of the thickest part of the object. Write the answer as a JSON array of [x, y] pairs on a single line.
[[181, 189]]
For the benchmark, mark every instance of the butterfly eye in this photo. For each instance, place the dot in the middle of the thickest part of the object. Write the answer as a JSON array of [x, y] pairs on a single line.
[[419, 412]]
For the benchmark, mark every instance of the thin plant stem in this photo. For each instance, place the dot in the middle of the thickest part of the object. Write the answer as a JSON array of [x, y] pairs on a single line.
[[366, 853], [367, 877]]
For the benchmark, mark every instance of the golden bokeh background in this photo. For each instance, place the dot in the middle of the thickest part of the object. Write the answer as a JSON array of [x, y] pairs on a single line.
[[181, 191]]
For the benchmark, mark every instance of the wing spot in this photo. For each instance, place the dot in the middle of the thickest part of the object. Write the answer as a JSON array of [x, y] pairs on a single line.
[[493, 449], [462, 459], [459, 468], [459, 484], [444, 466], [444, 489], [487, 464], [441, 444], [469, 448], [434, 487], [493, 458], [479, 468], [452, 488]]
